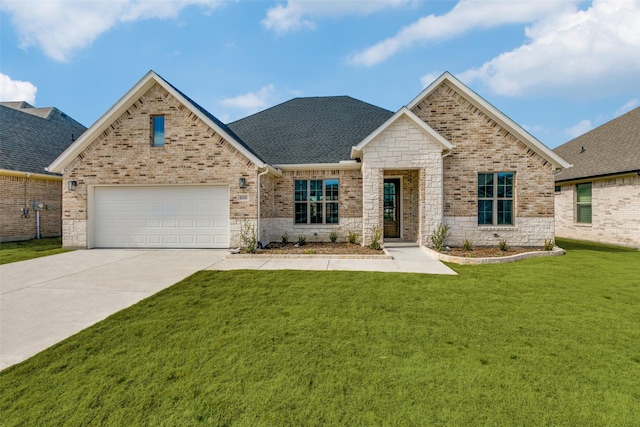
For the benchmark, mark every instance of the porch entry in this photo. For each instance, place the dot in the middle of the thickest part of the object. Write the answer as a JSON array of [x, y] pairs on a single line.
[[391, 197]]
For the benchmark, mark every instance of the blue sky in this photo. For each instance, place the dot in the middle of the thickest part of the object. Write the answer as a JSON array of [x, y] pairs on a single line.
[[558, 68]]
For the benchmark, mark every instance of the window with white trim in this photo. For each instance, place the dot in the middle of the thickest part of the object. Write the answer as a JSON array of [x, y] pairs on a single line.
[[495, 198], [583, 203], [316, 201]]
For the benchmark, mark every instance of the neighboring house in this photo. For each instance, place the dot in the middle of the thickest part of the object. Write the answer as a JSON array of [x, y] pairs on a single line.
[[157, 170], [598, 199], [30, 139]]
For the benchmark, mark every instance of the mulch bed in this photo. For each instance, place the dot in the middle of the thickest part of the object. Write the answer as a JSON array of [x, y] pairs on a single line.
[[323, 248], [488, 252]]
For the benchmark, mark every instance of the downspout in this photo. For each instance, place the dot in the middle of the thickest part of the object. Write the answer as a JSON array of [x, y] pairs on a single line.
[[266, 170]]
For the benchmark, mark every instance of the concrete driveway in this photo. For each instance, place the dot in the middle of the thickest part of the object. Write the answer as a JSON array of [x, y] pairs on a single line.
[[45, 300]]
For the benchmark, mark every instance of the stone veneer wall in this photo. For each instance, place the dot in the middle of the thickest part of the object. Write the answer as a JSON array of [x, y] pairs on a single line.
[[277, 206], [402, 146], [615, 212], [17, 193], [482, 145], [123, 154]]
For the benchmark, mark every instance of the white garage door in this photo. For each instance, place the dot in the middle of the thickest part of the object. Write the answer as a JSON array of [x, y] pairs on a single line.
[[161, 217]]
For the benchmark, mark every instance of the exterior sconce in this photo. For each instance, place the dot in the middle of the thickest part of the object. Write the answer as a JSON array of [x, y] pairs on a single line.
[[72, 185], [243, 183]]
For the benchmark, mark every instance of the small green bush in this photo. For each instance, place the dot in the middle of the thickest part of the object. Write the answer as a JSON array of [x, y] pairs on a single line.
[[375, 239], [310, 252], [285, 238], [438, 237], [502, 245], [549, 244], [467, 245], [302, 240], [248, 237], [353, 237], [333, 236]]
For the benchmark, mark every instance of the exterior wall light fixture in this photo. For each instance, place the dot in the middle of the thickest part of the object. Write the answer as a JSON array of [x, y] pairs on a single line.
[[72, 185], [243, 183]]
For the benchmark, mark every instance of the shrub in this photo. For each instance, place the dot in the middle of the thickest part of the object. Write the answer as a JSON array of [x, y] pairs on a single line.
[[302, 240], [285, 238], [248, 237], [438, 237], [502, 244], [353, 237], [333, 236], [310, 252], [549, 244], [467, 245], [375, 239]]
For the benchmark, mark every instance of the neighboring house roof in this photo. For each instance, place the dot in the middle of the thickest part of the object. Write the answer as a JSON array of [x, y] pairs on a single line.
[[495, 114], [31, 138], [407, 114], [610, 149], [127, 100], [310, 130]]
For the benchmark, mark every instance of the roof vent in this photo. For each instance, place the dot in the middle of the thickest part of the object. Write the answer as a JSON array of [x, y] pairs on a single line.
[[582, 150]]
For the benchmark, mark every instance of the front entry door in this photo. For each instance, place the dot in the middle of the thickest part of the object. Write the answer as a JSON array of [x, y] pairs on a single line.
[[391, 199]]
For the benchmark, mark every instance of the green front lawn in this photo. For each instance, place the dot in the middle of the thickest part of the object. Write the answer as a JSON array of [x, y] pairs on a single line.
[[29, 249], [546, 341]]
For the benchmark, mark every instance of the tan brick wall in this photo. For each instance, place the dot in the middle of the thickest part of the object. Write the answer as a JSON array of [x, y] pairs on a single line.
[[615, 212], [193, 154], [277, 205], [19, 192], [482, 145]]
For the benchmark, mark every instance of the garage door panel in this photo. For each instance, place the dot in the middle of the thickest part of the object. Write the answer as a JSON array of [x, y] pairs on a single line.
[[161, 217]]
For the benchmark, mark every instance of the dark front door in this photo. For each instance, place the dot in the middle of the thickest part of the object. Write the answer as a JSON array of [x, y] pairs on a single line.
[[391, 199]]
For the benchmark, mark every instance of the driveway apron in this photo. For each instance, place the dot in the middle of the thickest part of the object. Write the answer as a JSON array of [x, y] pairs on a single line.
[[45, 300]]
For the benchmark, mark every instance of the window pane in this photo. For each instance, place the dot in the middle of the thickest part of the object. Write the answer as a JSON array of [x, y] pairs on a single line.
[[315, 190], [584, 213], [316, 213], [505, 184], [331, 187], [301, 213], [485, 185], [505, 212], [158, 131], [332, 213], [485, 212], [584, 192], [301, 191]]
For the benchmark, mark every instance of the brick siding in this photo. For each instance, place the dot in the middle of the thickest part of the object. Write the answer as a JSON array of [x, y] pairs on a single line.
[[17, 193]]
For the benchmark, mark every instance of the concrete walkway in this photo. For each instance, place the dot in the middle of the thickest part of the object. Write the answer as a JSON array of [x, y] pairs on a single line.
[[407, 257], [45, 300]]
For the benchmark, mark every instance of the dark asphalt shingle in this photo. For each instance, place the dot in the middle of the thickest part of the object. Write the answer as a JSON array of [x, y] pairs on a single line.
[[31, 138], [310, 130], [611, 148]]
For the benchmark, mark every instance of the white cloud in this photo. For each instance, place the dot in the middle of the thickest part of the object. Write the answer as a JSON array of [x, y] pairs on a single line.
[[16, 90], [465, 16], [581, 128], [253, 101], [61, 27], [628, 106], [597, 48], [298, 14], [428, 78]]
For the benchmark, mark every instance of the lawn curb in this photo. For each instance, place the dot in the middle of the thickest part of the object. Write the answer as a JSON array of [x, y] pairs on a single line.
[[494, 260], [231, 255]]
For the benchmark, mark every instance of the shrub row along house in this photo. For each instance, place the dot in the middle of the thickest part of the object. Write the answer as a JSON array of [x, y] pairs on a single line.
[[598, 199], [157, 170], [31, 197]]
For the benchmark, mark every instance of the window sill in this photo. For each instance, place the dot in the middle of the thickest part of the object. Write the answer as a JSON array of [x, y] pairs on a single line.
[[497, 227], [583, 224]]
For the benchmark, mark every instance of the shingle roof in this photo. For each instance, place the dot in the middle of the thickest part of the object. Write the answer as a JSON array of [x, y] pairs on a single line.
[[310, 130], [31, 138], [213, 119], [611, 148]]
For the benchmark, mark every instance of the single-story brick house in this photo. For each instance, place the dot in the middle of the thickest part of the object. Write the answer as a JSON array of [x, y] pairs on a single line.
[[598, 199], [30, 139], [157, 170]]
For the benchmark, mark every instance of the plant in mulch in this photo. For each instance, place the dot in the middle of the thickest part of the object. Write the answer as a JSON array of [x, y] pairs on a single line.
[[438, 237], [333, 236], [549, 244], [375, 239], [467, 245], [285, 238], [502, 245], [248, 237], [353, 237], [302, 240]]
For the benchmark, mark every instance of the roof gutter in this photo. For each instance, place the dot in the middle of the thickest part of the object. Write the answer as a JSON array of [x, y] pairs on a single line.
[[606, 175], [21, 174]]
